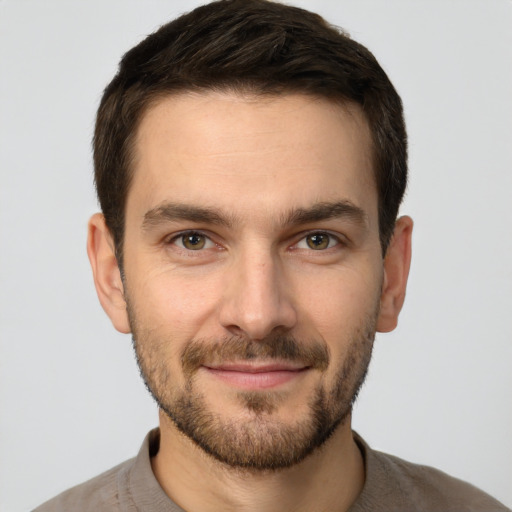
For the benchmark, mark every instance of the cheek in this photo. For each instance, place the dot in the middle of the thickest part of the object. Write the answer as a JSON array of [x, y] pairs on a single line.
[[339, 303], [173, 303]]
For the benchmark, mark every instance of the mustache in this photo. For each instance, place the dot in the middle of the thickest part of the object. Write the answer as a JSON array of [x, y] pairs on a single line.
[[197, 353]]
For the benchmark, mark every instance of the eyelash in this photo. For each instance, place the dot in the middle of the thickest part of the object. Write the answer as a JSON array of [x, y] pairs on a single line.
[[180, 236], [333, 240], [211, 244]]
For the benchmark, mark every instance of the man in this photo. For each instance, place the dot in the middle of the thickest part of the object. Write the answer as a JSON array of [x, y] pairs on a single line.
[[250, 161]]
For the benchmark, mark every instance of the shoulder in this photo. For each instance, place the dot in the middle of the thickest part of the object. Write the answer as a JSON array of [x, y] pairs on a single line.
[[395, 484], [98, 494], [432, 487]]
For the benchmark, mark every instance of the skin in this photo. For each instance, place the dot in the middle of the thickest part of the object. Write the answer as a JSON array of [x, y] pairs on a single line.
[[255, 162]]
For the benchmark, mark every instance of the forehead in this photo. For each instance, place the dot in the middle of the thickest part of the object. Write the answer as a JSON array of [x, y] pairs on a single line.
[[246, 151]]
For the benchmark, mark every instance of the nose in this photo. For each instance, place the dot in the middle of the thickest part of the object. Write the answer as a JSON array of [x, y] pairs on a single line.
[[256, 299]]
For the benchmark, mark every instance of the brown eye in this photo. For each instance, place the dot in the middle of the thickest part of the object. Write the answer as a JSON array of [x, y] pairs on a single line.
[[318, 241], [193, 241]]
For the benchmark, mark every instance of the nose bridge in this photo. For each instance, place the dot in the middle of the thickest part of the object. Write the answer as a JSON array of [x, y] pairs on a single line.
[[256, 300]]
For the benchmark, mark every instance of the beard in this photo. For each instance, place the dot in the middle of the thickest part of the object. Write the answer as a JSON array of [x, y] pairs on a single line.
[[256, 440]]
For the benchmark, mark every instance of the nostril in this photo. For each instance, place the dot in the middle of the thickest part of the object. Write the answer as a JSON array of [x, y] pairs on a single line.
[[234, 330]]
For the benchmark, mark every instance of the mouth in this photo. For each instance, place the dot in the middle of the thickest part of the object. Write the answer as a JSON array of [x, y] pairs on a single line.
[[256, 376]]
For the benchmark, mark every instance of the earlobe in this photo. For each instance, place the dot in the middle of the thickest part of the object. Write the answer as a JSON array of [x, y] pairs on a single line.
[[396, 272], [106, 273]]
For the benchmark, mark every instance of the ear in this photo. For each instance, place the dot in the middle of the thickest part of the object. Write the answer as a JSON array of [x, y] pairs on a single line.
[[107, 277], [396, 272]]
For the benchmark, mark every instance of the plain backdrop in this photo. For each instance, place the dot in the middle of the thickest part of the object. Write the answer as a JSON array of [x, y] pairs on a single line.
[[439, 387]]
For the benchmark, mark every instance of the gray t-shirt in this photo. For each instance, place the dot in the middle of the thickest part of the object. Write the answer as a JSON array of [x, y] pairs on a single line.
[[391, 484]]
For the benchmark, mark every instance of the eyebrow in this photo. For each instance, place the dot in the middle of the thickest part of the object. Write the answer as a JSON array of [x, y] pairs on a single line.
[[169, 212], [325, 211]]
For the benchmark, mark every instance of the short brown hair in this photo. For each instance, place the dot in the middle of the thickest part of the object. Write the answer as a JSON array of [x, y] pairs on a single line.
[[258, 46]]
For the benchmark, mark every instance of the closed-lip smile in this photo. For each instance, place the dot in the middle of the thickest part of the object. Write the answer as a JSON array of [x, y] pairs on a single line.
[[256, 375]]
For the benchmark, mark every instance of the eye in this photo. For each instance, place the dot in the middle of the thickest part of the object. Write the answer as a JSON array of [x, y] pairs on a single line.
[[318, 241], [193, 241]]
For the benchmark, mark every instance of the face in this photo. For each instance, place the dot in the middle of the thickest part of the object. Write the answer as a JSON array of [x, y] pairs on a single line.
[[253, 269]]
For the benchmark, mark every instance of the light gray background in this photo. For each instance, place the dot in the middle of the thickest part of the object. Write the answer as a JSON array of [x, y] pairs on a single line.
[[439, 389]]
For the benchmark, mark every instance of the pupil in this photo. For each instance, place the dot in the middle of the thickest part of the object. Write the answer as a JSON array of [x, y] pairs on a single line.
[[193, 241], [318, 241]]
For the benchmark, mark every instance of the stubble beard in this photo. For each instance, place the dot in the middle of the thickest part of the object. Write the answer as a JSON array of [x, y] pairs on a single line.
[[262, 442]]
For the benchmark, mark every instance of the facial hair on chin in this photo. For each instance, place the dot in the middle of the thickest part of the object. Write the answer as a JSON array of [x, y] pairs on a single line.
[[262, 443]]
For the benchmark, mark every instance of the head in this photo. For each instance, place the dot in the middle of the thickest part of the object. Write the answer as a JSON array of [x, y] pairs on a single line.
[[250, 161]]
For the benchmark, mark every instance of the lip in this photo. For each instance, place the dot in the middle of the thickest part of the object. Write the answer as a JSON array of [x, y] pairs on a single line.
[[256, 376]]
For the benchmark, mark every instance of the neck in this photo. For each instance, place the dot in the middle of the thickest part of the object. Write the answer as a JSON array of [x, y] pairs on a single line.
[[330, 478]]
